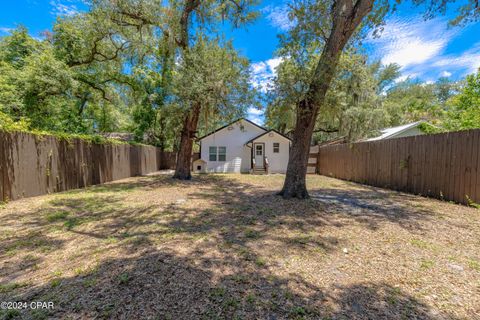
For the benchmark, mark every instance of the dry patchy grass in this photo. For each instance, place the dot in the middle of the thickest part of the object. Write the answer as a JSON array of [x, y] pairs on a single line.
[[225, 247]]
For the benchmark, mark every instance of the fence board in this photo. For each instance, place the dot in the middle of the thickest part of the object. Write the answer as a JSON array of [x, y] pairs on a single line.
[[457, 147], [464, 187], [474, 176], [476, 184], [3, 166], [31, 165], [443, 165]]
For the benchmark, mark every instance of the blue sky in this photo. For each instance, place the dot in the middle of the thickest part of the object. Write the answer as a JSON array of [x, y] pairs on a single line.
[[425, 50]]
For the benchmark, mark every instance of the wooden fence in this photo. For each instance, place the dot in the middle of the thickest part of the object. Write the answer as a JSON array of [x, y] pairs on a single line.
[[33, 165], [445, 166]]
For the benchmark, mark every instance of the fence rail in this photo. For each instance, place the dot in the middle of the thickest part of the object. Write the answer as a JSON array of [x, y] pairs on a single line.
[[445, 165], [33, 165]]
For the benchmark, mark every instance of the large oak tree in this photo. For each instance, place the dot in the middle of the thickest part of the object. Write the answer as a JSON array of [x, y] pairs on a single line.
[[195, 16], [336, 22]]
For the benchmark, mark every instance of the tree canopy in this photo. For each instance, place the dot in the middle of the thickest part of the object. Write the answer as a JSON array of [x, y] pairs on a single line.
[[129, 66]]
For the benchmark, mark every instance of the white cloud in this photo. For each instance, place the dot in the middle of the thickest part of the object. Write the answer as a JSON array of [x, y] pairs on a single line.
[[263, 73], [254, 111], [63, 9], [445, 74], [256, 119], [467, 62], [255, 115], [420, 47], [5, 29], [412, 41], [405, 77], [415, 52], [274, 63], [278, 17]]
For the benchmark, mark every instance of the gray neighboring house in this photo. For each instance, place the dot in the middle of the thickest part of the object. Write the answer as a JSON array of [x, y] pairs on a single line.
[[406, 130]]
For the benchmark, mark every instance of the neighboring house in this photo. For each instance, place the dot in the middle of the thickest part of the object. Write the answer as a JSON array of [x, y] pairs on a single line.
[[243, 146], [407, 130]]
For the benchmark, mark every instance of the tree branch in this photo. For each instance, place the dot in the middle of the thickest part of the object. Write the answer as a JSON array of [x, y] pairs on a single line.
[[94, 86], [326, 130], [190, 6]]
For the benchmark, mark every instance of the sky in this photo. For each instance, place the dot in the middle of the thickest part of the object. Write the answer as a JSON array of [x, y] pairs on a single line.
[[424, 50]]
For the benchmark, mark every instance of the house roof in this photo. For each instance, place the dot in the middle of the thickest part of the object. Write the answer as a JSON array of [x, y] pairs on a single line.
[[227, 125], [261, 135], [393, 131]]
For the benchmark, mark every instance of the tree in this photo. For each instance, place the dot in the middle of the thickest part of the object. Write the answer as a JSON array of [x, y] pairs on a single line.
[[334, 23], [464, 111], [353, 105], [340, 23], [213, 80], [41, 83], [121, 53], [412, 100], [207, 14], [171, 28]]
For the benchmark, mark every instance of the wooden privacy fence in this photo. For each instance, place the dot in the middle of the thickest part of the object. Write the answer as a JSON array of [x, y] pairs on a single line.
[[445, 166], [32, 165]]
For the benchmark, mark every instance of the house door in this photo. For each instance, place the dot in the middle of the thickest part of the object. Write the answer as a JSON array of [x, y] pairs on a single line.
[[259, 151]]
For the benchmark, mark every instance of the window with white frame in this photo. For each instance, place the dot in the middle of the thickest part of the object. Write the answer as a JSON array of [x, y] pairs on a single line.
[[212, 151], [222, 153], [258, 150], [217, 153], [276, 147]]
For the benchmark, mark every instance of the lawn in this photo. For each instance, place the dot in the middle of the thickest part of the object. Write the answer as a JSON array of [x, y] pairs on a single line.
[[225, 247]]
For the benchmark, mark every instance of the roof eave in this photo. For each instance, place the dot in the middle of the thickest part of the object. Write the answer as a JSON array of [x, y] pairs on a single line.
[[229, 124], [261, 135]]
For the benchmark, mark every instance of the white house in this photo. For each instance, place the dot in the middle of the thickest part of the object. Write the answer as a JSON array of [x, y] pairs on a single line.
[[407, 130], [243, 146]]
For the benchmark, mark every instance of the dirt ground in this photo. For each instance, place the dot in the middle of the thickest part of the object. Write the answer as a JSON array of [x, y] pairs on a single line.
[[226, 247]]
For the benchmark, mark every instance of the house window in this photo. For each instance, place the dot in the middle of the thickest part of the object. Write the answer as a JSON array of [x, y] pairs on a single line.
[[212, 151], [222, 153], [258, 150], [276, 147], [217, 153]]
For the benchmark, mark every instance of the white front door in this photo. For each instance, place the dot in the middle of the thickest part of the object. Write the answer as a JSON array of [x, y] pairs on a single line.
[[259, 155]]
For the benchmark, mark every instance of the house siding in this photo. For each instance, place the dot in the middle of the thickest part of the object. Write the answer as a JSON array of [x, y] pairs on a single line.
[[238, 155], [415, 131]]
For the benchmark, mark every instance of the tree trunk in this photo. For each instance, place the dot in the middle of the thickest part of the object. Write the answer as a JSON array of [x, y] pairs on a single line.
[[346, 18], [184, 156], [294, 186]]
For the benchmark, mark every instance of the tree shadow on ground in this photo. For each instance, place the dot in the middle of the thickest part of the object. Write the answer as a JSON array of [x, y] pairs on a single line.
[[164, 285], [215, 271], [236, 214]]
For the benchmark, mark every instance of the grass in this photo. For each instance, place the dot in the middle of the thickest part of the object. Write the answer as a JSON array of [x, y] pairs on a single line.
[[9, 287], [58, 215], [124, 278], [226, 247], [475, 265], [427, 264], [420, 243]]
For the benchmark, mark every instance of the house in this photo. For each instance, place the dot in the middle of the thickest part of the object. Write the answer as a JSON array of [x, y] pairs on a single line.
[[407, 130], [243, 146]]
